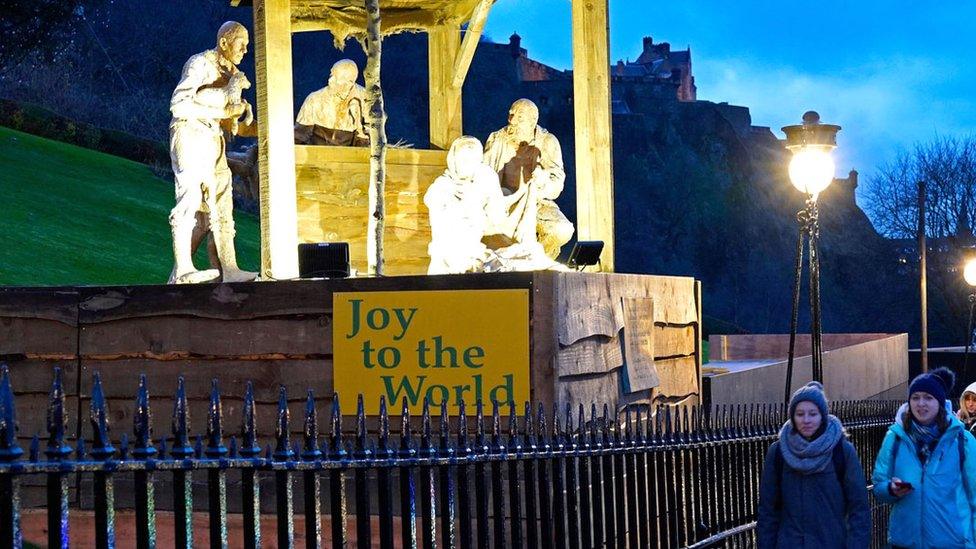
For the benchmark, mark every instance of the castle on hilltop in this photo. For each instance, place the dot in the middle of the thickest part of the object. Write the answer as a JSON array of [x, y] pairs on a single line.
[[660, 77], [659, 63]]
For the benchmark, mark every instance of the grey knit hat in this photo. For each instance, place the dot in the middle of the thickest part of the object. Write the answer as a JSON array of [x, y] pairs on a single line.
[[811, 392]]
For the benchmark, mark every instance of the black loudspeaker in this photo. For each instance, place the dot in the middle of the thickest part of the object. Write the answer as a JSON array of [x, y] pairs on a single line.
[[585, 253], [323, 260]]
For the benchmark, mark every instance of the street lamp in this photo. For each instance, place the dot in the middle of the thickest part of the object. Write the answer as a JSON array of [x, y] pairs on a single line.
[[811, 171], [969, 274]]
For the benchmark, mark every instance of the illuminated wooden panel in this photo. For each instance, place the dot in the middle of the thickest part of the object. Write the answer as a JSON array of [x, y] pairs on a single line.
[[275, 119], [445, 99], [332, 185]]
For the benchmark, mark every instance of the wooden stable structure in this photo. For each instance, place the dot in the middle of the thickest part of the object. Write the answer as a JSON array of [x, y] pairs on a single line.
[[319, 194]]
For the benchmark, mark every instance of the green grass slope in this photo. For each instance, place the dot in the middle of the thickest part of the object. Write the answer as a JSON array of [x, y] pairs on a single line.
[[72, 216]]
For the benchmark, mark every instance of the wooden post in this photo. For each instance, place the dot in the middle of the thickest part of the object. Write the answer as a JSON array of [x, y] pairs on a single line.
[[591, 96], [472, 35], [443, 44], [276, 141], [923, 291], [377, 140]]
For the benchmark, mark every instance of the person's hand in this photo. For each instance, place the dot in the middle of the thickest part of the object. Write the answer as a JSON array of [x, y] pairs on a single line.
[[898, 488]]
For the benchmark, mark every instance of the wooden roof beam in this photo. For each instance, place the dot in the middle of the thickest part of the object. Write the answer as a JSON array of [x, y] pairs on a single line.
[[470, 43]]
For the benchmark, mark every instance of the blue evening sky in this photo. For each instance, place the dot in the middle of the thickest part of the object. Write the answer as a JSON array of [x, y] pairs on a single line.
[[890, 72]]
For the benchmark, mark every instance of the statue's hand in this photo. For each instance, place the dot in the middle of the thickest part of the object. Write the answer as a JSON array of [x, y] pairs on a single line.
[[539, 176], [235, 110]]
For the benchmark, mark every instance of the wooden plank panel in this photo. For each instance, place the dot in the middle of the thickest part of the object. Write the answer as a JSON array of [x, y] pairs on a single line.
[[591, 107], [223, 301], [276, 142], [671, 341], [593, 297], [55, 304], [600, 389], [332, 204], [170, 338], [36, 337], [679, 377]]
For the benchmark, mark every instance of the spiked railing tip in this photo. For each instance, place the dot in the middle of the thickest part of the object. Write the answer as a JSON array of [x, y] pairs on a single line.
[[142, 423], [283, 451], [361, 432], [9, 450], [181, 423], [310, 433], [57, 421], [384, 433], [215, 428], [463, 441], [249, 438], [98, 416], [425, 424]]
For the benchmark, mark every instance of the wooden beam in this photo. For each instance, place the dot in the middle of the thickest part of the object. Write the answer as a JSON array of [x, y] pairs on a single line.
[[594, 156], [305, 25], [276, 139], [445, 99], [470, 43]]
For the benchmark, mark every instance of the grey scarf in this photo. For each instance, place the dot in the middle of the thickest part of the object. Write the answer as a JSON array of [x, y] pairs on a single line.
[[809, 456]]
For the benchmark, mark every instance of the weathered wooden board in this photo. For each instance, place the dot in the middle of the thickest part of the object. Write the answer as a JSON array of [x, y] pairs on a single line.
[[673, 341], [679, 377], [56, 304], [221, 301], [38, 338], [182, 337]]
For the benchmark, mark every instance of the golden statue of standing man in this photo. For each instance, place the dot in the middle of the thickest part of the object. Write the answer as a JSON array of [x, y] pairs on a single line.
[[206, 102]]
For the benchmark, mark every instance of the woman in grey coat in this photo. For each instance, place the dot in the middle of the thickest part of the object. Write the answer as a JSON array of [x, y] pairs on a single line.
[[813, 493]]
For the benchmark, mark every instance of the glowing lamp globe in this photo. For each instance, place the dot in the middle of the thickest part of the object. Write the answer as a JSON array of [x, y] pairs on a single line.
[[812, 167], [811, 170], [969, 272]]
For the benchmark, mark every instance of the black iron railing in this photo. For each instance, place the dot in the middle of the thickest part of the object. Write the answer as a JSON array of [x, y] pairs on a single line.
[[667, 477]]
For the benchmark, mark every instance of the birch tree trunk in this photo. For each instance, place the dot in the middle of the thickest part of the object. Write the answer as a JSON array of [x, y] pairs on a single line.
[[377, 141]]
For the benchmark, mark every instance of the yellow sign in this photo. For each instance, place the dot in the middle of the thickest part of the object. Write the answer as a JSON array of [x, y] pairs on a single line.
[[439, 345]]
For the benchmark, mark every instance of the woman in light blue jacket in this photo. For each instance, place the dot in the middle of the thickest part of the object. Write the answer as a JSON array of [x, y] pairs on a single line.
[[926, 469]]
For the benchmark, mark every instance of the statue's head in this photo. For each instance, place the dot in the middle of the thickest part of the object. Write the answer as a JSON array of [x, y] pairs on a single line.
[[523, 116], [343, 75], [232, 41], [465, 157]]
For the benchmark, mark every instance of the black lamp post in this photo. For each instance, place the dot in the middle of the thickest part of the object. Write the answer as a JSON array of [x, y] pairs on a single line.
[[811, 171], [969, 274]]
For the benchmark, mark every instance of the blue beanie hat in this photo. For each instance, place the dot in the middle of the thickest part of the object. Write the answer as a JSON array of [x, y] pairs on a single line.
[[811, 392], [937, 383]]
